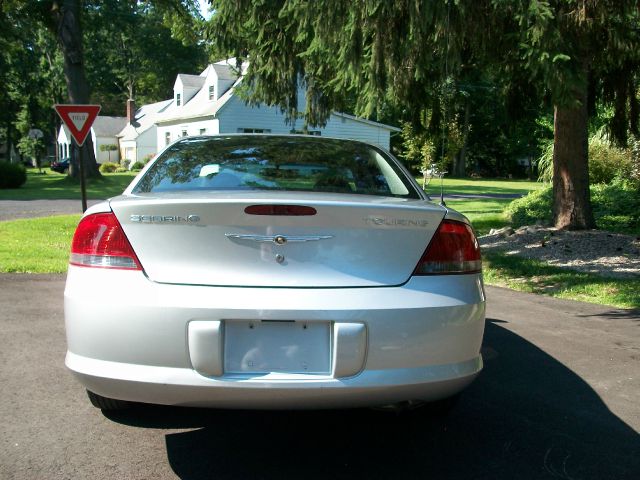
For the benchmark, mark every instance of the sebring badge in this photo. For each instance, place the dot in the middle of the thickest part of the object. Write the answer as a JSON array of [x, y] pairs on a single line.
[[164, 218]]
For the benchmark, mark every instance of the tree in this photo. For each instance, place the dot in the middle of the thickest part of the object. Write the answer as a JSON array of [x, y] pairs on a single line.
[[406, 52], [63, 19], [578, 49], [109, 148], [133, 52]]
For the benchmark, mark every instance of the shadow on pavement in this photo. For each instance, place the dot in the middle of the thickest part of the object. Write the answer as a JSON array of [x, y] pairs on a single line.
[[527, 416], [631, 313]]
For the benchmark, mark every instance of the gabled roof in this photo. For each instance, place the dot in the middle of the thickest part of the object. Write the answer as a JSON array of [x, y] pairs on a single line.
[[191, 81], [198, 106], [145, 118], [108, 126], [368, 122]]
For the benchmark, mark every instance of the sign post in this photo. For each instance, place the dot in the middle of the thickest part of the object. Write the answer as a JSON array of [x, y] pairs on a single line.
[[78, 119]]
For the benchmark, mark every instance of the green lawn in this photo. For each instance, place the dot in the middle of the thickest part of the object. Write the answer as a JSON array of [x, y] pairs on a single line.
[[479, 186], [39, 245], [533, 276], [53, 186], [484, 214]]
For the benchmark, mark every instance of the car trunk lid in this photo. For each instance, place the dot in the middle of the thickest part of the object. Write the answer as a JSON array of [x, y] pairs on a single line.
[[256, 239]]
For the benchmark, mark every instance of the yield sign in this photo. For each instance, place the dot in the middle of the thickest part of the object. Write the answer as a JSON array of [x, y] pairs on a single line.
[[78, 119]]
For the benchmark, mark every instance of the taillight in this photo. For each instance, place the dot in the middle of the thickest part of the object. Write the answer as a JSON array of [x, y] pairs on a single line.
[[453, 249], [99, 241]]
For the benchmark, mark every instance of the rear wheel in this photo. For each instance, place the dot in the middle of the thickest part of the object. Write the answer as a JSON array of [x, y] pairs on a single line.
[[104, 403]]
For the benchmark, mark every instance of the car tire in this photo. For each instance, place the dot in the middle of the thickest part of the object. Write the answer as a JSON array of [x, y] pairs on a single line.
[[104, 403]]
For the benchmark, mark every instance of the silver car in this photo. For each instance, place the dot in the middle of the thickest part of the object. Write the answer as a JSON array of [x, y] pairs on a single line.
[[259, 271]]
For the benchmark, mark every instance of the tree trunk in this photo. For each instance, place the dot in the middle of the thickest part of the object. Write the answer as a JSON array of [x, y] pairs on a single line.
[[571, 196], [66, 20], [460, 161]]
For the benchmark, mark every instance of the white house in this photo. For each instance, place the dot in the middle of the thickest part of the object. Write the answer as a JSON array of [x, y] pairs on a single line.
[[206, 104], [103, 132], [139, 138]]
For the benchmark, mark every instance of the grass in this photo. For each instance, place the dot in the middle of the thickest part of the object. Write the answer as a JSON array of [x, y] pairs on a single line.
[[484, 214], [479, 186], [54, 186], [533, 276], [39, 245]]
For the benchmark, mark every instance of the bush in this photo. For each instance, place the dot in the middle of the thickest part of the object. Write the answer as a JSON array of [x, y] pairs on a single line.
[[121, 170], [147, 158], [12, 175], [137, 165], [534, 207], [606, 161], [616, 207], [108, 167]]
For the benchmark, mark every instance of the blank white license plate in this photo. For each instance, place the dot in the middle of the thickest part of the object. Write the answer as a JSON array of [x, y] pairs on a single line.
[[277, 347]]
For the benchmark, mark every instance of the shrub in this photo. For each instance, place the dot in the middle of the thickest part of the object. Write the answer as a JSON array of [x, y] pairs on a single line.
[[12, 175], [120, 170], [606, 161], [616, 207], [147, 158], [108, 167], [534, 207], [137, 165], [124, 163]]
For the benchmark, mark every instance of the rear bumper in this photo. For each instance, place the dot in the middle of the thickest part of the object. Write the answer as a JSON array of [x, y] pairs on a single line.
[[184, 386], [129, 338]]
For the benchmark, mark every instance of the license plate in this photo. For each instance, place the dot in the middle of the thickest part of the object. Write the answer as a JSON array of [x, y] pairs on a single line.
[[277, 347]]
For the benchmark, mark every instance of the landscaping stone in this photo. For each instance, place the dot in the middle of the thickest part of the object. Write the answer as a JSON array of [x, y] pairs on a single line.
[[595, 251]]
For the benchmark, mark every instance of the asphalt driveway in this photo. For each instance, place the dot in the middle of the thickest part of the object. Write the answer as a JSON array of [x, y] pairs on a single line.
[[15, 209], [558, 399]]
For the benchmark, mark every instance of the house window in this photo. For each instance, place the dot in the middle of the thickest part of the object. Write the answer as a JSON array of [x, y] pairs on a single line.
[[212, 92], [167, 138], [178, 99], [203, 131], [315, 133], [254, 130], [184, 132]]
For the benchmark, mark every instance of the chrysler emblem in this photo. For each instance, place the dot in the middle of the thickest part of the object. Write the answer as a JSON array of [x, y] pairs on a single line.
[[278, 239]]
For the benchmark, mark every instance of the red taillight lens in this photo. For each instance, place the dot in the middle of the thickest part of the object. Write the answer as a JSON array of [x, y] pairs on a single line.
[[453, 249], [99, 241]]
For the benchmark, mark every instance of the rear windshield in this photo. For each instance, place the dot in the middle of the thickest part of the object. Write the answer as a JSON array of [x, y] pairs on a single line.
[[275, 163]]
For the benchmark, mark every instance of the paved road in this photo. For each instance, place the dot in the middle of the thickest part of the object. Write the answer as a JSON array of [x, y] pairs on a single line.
[[14, 209], [558, 399]]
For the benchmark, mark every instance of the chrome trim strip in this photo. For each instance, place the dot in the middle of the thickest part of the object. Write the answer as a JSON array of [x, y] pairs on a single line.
[[278, 239]]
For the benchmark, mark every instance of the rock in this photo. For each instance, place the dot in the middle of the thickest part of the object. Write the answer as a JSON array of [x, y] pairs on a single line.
[[502, 232]]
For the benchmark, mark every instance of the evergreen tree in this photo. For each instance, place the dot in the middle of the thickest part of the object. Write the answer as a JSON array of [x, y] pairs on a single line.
[[413, 54]]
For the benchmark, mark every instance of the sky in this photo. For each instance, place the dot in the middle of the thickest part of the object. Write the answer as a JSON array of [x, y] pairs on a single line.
[[204, 8]]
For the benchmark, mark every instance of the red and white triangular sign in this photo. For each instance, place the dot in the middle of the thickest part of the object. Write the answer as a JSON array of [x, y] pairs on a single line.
[[78, 119]]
